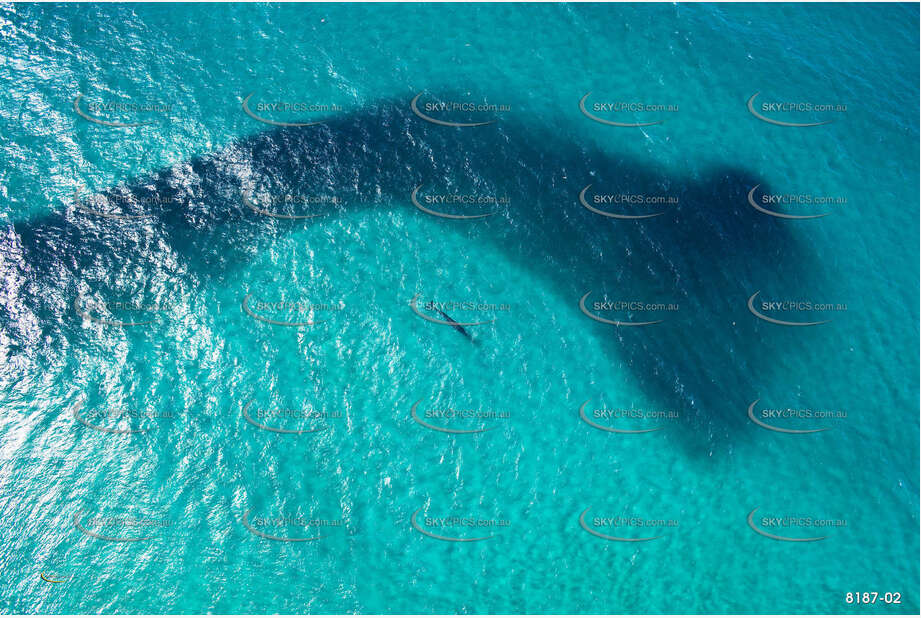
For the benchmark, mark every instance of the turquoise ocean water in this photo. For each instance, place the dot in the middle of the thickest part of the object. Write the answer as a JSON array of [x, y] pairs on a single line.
[[196, 377]]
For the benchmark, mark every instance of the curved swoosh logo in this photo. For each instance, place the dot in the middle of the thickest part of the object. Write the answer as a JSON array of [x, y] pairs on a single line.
[[751, 307], [452, 539], [85, 314], [249, 203], [606, 321], [585, 418], [751, 200], [107, 123], [443, 123], [83, 421], [276, 322], [271, 537], [107, 215], [611, 122], [751, 108], [114, 539], [273, 122], [275, 429], [751, 524], [608, 537], [416, 203], [611, 214], [751, 415], [416, 418], [415, 309], [49, 580]]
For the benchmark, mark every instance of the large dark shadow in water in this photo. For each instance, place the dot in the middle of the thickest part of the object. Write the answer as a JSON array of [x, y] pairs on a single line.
[[698, 254]]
